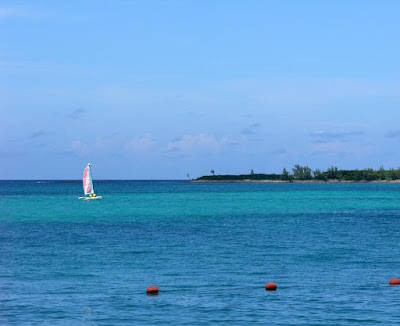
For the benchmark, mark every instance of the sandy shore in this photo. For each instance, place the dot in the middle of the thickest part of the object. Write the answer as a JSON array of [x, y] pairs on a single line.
[[294, 181]]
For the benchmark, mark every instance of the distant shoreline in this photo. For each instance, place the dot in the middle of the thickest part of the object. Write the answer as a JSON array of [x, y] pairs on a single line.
[[293, 181], [304, 174]]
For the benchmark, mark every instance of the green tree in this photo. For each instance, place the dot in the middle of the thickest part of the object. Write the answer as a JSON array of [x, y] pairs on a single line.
[[307, 173], [212, 171], [297, 172], [285, 175], [332, 173], [381, 173], [251, 172], [392, 174], [319, 175], [302, 172], [369, 175], [396, 173], [358, 175]]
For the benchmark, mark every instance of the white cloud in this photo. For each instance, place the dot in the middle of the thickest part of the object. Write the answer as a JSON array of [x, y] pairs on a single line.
[[140, 143]]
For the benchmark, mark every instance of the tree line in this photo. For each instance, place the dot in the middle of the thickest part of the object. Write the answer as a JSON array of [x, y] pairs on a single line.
[[306, 173]]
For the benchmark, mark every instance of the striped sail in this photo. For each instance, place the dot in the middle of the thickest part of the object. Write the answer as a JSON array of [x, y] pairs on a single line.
[[87, 181]]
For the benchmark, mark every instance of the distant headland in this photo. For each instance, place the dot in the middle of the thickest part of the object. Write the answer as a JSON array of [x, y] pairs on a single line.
[[304, 174]]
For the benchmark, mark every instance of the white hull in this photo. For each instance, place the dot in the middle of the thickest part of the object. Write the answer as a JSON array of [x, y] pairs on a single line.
[[90, 198]]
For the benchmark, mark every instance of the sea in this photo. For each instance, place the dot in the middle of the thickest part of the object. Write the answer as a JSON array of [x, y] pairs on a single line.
[[331, 249]]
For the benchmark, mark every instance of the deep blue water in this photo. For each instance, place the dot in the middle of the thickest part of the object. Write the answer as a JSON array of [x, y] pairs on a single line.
[[210, 248]]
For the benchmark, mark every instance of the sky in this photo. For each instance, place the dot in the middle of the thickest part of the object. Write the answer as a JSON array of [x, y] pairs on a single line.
[[163, 89]]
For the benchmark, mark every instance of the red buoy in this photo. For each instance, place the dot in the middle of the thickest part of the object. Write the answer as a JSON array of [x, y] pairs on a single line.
[[152, 290], [271, 286], [394, 281]]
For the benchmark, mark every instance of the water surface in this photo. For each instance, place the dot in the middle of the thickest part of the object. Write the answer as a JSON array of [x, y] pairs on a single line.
[[210, 248]]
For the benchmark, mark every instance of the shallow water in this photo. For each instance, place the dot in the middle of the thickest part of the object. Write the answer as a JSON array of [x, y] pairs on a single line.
[[210, 248]]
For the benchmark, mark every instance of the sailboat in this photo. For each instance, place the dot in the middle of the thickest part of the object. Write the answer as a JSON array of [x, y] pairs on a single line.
[[88, 185]]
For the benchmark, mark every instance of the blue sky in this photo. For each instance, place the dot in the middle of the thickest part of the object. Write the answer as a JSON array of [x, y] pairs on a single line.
[[159, 89]]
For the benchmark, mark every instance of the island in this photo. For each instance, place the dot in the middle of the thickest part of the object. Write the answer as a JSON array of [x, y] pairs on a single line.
[[304, 174]]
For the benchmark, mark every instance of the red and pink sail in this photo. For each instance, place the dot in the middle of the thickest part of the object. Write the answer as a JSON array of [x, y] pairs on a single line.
[[87, 181]]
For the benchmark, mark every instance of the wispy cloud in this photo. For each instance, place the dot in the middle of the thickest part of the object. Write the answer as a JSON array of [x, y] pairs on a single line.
[[338, 148], [334, 136], [278, 151], [76, 114], [78, 147], [251, 130], [393, 134], [144, 143], [111, 145], [289, 91], [26, 12], [37, 134], [7, 12], [115, 145], [202, 143], [12, 153], [19, 12]]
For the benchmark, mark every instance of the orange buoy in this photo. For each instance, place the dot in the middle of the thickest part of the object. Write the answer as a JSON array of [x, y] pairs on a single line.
[[152, 290], [271, 286], [394, 281]]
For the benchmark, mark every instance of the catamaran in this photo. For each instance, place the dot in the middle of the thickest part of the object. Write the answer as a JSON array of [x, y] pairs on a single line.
[[88, 185]]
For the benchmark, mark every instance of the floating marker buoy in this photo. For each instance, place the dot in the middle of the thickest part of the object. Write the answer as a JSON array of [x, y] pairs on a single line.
[[394, 281], [152, 290], [271, 286]]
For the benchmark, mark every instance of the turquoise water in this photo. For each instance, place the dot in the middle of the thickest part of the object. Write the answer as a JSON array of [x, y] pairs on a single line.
[[210, 248]]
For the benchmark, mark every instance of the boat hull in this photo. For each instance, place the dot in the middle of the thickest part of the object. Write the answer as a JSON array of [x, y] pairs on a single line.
[[90, 198]]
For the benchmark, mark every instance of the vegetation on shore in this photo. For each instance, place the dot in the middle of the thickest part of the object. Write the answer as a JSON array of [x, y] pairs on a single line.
[[305, 173]]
